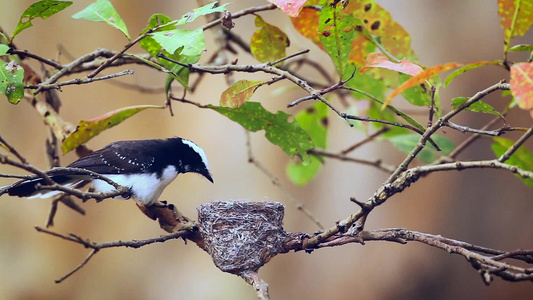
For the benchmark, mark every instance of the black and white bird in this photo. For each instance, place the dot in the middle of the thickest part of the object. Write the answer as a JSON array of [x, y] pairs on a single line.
[[146, 167]]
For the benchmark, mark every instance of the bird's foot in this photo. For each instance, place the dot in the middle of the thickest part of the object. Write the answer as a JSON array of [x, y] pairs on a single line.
[[169, 217]]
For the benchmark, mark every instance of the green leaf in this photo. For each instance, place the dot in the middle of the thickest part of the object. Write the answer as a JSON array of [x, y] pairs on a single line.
[[3, 49], [314, 120], [268, 42], [522, 158], [86, 130], [300, 174], [478, 106], [278, 130], [337, 33], [11, 76], [103, 11], [41, 9], [238, 93], [179, 73], [517, 48], [192, 41], [201, 11], [466, 68], [407, 142]]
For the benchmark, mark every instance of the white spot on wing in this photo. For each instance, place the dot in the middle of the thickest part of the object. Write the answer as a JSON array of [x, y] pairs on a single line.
[[198, 150]]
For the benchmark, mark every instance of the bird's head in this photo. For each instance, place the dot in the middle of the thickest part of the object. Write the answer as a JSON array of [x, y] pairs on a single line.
[[193, 159]]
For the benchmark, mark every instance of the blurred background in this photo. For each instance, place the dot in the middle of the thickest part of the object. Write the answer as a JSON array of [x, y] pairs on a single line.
[[485, 207]]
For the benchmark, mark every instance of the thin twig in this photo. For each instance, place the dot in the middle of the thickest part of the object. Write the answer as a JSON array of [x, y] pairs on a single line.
[[516, 145], [67, 69], [473, 130], [81, 265], [58, 85], [23, 53], [379, 164], [453, 155], [12, 150], [368, 139], [244, 12]]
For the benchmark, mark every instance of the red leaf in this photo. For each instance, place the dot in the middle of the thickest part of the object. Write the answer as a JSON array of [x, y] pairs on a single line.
[[522, 85], [378, 60], [290, 7]]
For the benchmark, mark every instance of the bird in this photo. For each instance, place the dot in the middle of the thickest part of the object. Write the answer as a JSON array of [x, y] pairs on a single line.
[[146, 167]]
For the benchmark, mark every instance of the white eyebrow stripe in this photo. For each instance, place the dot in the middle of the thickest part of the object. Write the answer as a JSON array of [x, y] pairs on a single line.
[[198, 150]]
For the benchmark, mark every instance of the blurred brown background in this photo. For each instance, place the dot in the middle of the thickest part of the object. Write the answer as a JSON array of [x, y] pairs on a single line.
[[490, 208]]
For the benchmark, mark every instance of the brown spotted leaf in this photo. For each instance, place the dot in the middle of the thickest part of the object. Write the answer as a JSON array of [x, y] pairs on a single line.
[[268, 42], [290, 7], [378, 60], [380, 24], [420, 78], [376, 20], [238, 93], [522, 85], [86, 130], [517, 17], [336, 30]]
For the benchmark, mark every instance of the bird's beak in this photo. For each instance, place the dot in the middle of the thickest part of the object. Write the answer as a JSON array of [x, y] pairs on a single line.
[[208, 176]]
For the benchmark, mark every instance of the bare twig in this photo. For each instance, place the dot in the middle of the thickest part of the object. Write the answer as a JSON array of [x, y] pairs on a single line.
[[368, 139], [490, 264], [516, 145], [244, 12], [12, 150], [98, 246], [380, 165], [58, 85], [468, 141], [431, 130], [81, 265], [25, 53], [478, 131]]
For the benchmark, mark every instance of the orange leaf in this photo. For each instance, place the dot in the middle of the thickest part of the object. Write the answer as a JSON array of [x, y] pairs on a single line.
[[427, 74], [378, 60], [522, 85], [290, 7], [307, 24]]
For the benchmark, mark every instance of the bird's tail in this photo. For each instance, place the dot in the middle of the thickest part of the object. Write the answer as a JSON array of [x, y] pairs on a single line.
[[30, 187]]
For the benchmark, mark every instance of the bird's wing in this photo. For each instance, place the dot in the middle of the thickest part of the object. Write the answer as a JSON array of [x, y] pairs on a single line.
[[124, 157]]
